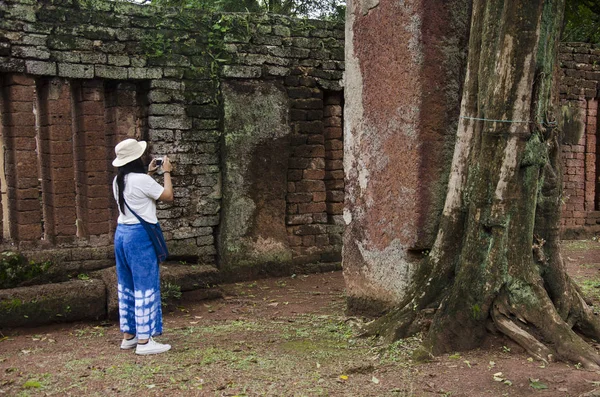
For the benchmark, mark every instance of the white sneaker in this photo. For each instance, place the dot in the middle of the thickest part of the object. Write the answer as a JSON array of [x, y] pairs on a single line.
[[127, 344], [151, 347]]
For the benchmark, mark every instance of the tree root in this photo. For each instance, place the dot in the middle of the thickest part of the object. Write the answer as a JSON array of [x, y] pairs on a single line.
[[394, 325], [538, 328], [521, 337], [557, 335]]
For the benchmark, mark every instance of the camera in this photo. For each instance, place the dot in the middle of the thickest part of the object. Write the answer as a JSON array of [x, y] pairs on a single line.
[[159, 162]]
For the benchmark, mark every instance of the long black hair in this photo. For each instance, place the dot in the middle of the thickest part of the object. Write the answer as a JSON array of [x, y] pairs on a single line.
[[135, 166]]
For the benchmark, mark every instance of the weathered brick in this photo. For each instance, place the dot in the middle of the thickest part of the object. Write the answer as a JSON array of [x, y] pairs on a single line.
[[306, 230], [303, 219], [28, 232], [333, 132], [310, 208], [76, 71], [334, 155], [111, 72], [41, 68], [233, 71], [145, 73], [332, 165], [318, 197], [312, 103], [309, 151], [310, 186], [313, 174], [299, 197], [310, 127], [335, 196], [315, 139], [335, 208]]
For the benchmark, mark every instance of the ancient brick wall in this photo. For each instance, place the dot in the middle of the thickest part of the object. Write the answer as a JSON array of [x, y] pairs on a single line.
[[579, 85], [316, 178], [76, 77]]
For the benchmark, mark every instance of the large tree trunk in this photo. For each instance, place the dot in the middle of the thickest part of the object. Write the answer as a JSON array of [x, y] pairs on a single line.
[[496, 259]]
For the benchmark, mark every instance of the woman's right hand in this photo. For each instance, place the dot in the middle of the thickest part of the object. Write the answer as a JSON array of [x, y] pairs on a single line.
[[166, 165], [167, 194]]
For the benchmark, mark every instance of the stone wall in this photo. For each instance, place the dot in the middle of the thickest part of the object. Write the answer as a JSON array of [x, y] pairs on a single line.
[[579, 86], [76, 77]]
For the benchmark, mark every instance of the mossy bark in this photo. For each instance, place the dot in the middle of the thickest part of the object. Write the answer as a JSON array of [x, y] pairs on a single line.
[[496, 259]]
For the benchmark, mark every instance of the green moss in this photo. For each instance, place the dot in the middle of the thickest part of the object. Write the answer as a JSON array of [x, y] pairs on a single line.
[[16, 269], [10, 305], [522, 293], [422, 355], [536, 152]]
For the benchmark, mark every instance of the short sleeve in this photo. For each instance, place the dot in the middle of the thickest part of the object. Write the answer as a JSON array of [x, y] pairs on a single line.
[[152, 188]]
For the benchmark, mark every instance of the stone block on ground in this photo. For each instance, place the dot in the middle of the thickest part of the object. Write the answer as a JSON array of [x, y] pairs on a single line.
[[187, 277], [50, 303]]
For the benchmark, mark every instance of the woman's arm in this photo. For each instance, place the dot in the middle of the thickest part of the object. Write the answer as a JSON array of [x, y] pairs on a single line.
[[167, 194]]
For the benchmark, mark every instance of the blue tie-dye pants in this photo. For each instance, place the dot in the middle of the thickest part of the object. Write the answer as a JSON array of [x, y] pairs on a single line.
[[140, 309]]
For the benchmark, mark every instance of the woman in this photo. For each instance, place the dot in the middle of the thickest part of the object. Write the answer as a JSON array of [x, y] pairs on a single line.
[[137, 264]]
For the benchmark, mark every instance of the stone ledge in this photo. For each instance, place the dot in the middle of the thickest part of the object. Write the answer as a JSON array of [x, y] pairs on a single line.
[[187, 277], [50, 303], [95, 298]]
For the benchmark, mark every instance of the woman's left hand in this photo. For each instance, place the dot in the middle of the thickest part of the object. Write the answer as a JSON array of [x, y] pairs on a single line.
[[152, 167]]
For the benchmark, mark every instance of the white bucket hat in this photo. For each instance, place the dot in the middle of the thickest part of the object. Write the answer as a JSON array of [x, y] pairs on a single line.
[[128, 150]]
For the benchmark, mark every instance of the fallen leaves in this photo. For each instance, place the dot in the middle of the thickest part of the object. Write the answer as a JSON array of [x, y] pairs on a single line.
[[536, 384], [499, 377]]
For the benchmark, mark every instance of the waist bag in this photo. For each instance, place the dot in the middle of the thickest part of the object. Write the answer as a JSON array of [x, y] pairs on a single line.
[[156, 236]]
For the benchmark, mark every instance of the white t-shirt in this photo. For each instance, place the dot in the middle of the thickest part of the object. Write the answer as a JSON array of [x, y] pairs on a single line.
[[141, 193]]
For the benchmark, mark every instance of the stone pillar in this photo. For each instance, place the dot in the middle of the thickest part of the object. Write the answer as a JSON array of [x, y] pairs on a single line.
[[91, 167], [57, 165], [21, 162], [590, 155], [404, 64]]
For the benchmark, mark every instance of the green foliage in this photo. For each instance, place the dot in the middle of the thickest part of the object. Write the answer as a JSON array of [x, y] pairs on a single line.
[[32, 384], [321, 9], [582, 21], [536, 384], [15, 269], [169, 292]]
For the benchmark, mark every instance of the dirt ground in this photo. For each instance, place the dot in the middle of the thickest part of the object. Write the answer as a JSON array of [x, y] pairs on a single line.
[[279, 337]]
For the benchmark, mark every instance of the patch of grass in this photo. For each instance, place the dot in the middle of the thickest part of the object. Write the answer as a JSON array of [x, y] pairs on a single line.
[[36, 383], [590, 287], [89, 332], [78, 364], [226, 328], [581, 245], [589, 265], [400, 351], [311, 347]]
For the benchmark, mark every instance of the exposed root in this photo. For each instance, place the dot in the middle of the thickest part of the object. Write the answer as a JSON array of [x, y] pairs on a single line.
[[521, 337], [543, 317], [585, 319], [396, 324]]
